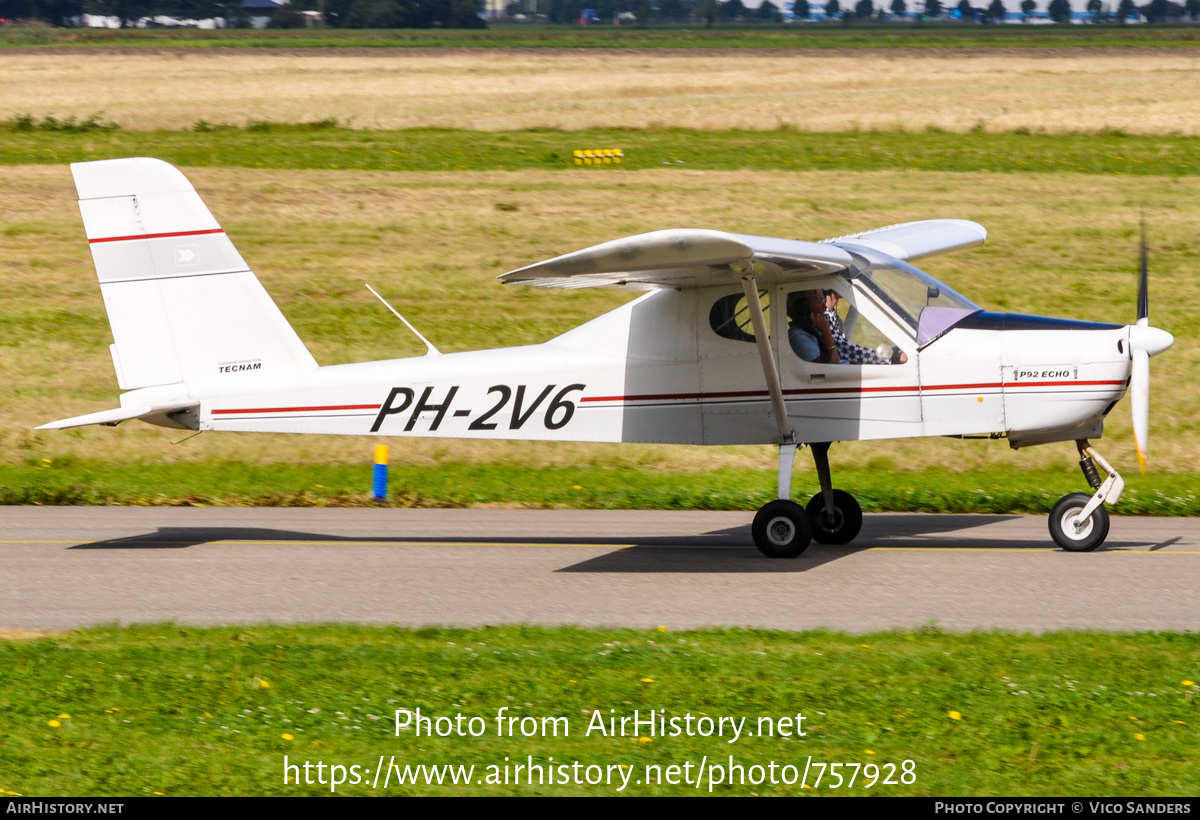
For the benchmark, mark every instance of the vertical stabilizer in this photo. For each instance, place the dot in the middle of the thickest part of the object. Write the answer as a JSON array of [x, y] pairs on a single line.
[[181, 301]]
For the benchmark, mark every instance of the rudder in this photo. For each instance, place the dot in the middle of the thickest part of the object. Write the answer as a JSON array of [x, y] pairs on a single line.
[[181, 301]]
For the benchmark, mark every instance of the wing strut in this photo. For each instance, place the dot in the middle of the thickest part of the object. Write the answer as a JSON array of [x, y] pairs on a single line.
[[787, 436]]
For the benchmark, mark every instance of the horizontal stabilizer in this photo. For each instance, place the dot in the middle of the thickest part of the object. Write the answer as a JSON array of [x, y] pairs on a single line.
[[913, 240], [111, 417], [682, 258]]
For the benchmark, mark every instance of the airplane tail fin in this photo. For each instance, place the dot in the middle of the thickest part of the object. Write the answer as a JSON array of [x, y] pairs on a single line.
[[181, 301]]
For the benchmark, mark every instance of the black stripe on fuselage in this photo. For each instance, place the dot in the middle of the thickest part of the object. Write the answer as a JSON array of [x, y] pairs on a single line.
[[985, 320]]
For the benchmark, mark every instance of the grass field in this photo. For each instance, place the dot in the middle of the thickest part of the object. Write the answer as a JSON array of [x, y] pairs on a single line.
[[1066, 244], [170, 710], [1138, 92], [431, 216], [178, 711]]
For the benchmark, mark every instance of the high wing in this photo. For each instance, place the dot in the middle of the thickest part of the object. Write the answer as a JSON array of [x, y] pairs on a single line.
[[682, 258], [698, 258], [914, 240]]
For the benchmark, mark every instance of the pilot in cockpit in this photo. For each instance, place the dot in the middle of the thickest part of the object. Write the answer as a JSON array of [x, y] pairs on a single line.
[[808, 330]]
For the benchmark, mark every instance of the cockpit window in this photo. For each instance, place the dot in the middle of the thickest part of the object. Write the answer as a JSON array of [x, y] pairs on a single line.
[[906, 291], [730, 316], [825, 328]]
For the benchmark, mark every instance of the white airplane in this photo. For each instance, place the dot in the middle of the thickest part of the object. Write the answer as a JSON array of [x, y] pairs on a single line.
[[699, 359]]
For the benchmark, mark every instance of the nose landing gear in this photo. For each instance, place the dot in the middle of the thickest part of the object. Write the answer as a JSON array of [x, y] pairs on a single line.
[[1079, 522]]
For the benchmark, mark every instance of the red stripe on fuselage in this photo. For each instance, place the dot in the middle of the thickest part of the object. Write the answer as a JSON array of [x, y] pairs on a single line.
[[153, 236], [746, 394], [848, 390]]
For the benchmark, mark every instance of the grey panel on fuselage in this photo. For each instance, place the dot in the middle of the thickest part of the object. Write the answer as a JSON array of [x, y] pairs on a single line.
[[661, 368], [736, 406]]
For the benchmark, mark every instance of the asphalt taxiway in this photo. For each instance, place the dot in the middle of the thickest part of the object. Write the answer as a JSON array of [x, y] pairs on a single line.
[[65, 567]]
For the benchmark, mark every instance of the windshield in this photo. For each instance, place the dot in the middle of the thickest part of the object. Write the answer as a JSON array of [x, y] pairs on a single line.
[[907, 293]]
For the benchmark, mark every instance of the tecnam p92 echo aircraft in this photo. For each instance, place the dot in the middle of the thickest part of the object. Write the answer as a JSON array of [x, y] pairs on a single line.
[[740, 340]]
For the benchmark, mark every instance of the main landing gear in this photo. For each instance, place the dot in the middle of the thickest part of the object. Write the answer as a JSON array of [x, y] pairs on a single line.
[[1079, 522], [783, 529]]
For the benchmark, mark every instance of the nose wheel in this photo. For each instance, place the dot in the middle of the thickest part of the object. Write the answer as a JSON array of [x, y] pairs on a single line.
[[1074, 531]]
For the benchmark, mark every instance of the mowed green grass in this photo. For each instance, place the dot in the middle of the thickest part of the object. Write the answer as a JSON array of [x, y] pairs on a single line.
[[878, 487], [325, 146], [800, 36], [188, 711]]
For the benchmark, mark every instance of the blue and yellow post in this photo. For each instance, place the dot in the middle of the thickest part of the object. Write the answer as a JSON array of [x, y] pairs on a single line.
[[381, 465]]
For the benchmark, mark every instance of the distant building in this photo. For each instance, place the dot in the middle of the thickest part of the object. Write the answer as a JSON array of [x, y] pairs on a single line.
[[258, 12], [103, 21]]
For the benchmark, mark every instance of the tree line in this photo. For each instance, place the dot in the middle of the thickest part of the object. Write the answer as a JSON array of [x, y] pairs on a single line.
[[338, 13], [466, 13], [1156, 11], [729, 11]]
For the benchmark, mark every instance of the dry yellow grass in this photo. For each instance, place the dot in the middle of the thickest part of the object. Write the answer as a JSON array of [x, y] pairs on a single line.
[[1149, 94], [25, 634], [432, 243]]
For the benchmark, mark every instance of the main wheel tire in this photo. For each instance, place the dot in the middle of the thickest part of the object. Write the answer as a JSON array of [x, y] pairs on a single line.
[[846, 523], [1063, 520], [781, 529]]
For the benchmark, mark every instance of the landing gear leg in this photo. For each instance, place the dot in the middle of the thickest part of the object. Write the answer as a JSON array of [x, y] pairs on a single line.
[[1078, 522], [836, 516], [782, 529]]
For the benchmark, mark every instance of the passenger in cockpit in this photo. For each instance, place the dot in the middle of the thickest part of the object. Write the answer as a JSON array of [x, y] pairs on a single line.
[[848, 352]]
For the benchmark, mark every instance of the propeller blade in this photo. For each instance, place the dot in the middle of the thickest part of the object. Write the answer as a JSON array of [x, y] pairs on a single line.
[[1143, 316], [1139, 387]]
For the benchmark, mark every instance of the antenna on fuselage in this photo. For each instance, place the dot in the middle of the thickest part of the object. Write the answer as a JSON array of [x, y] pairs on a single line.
[[432, 350]]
